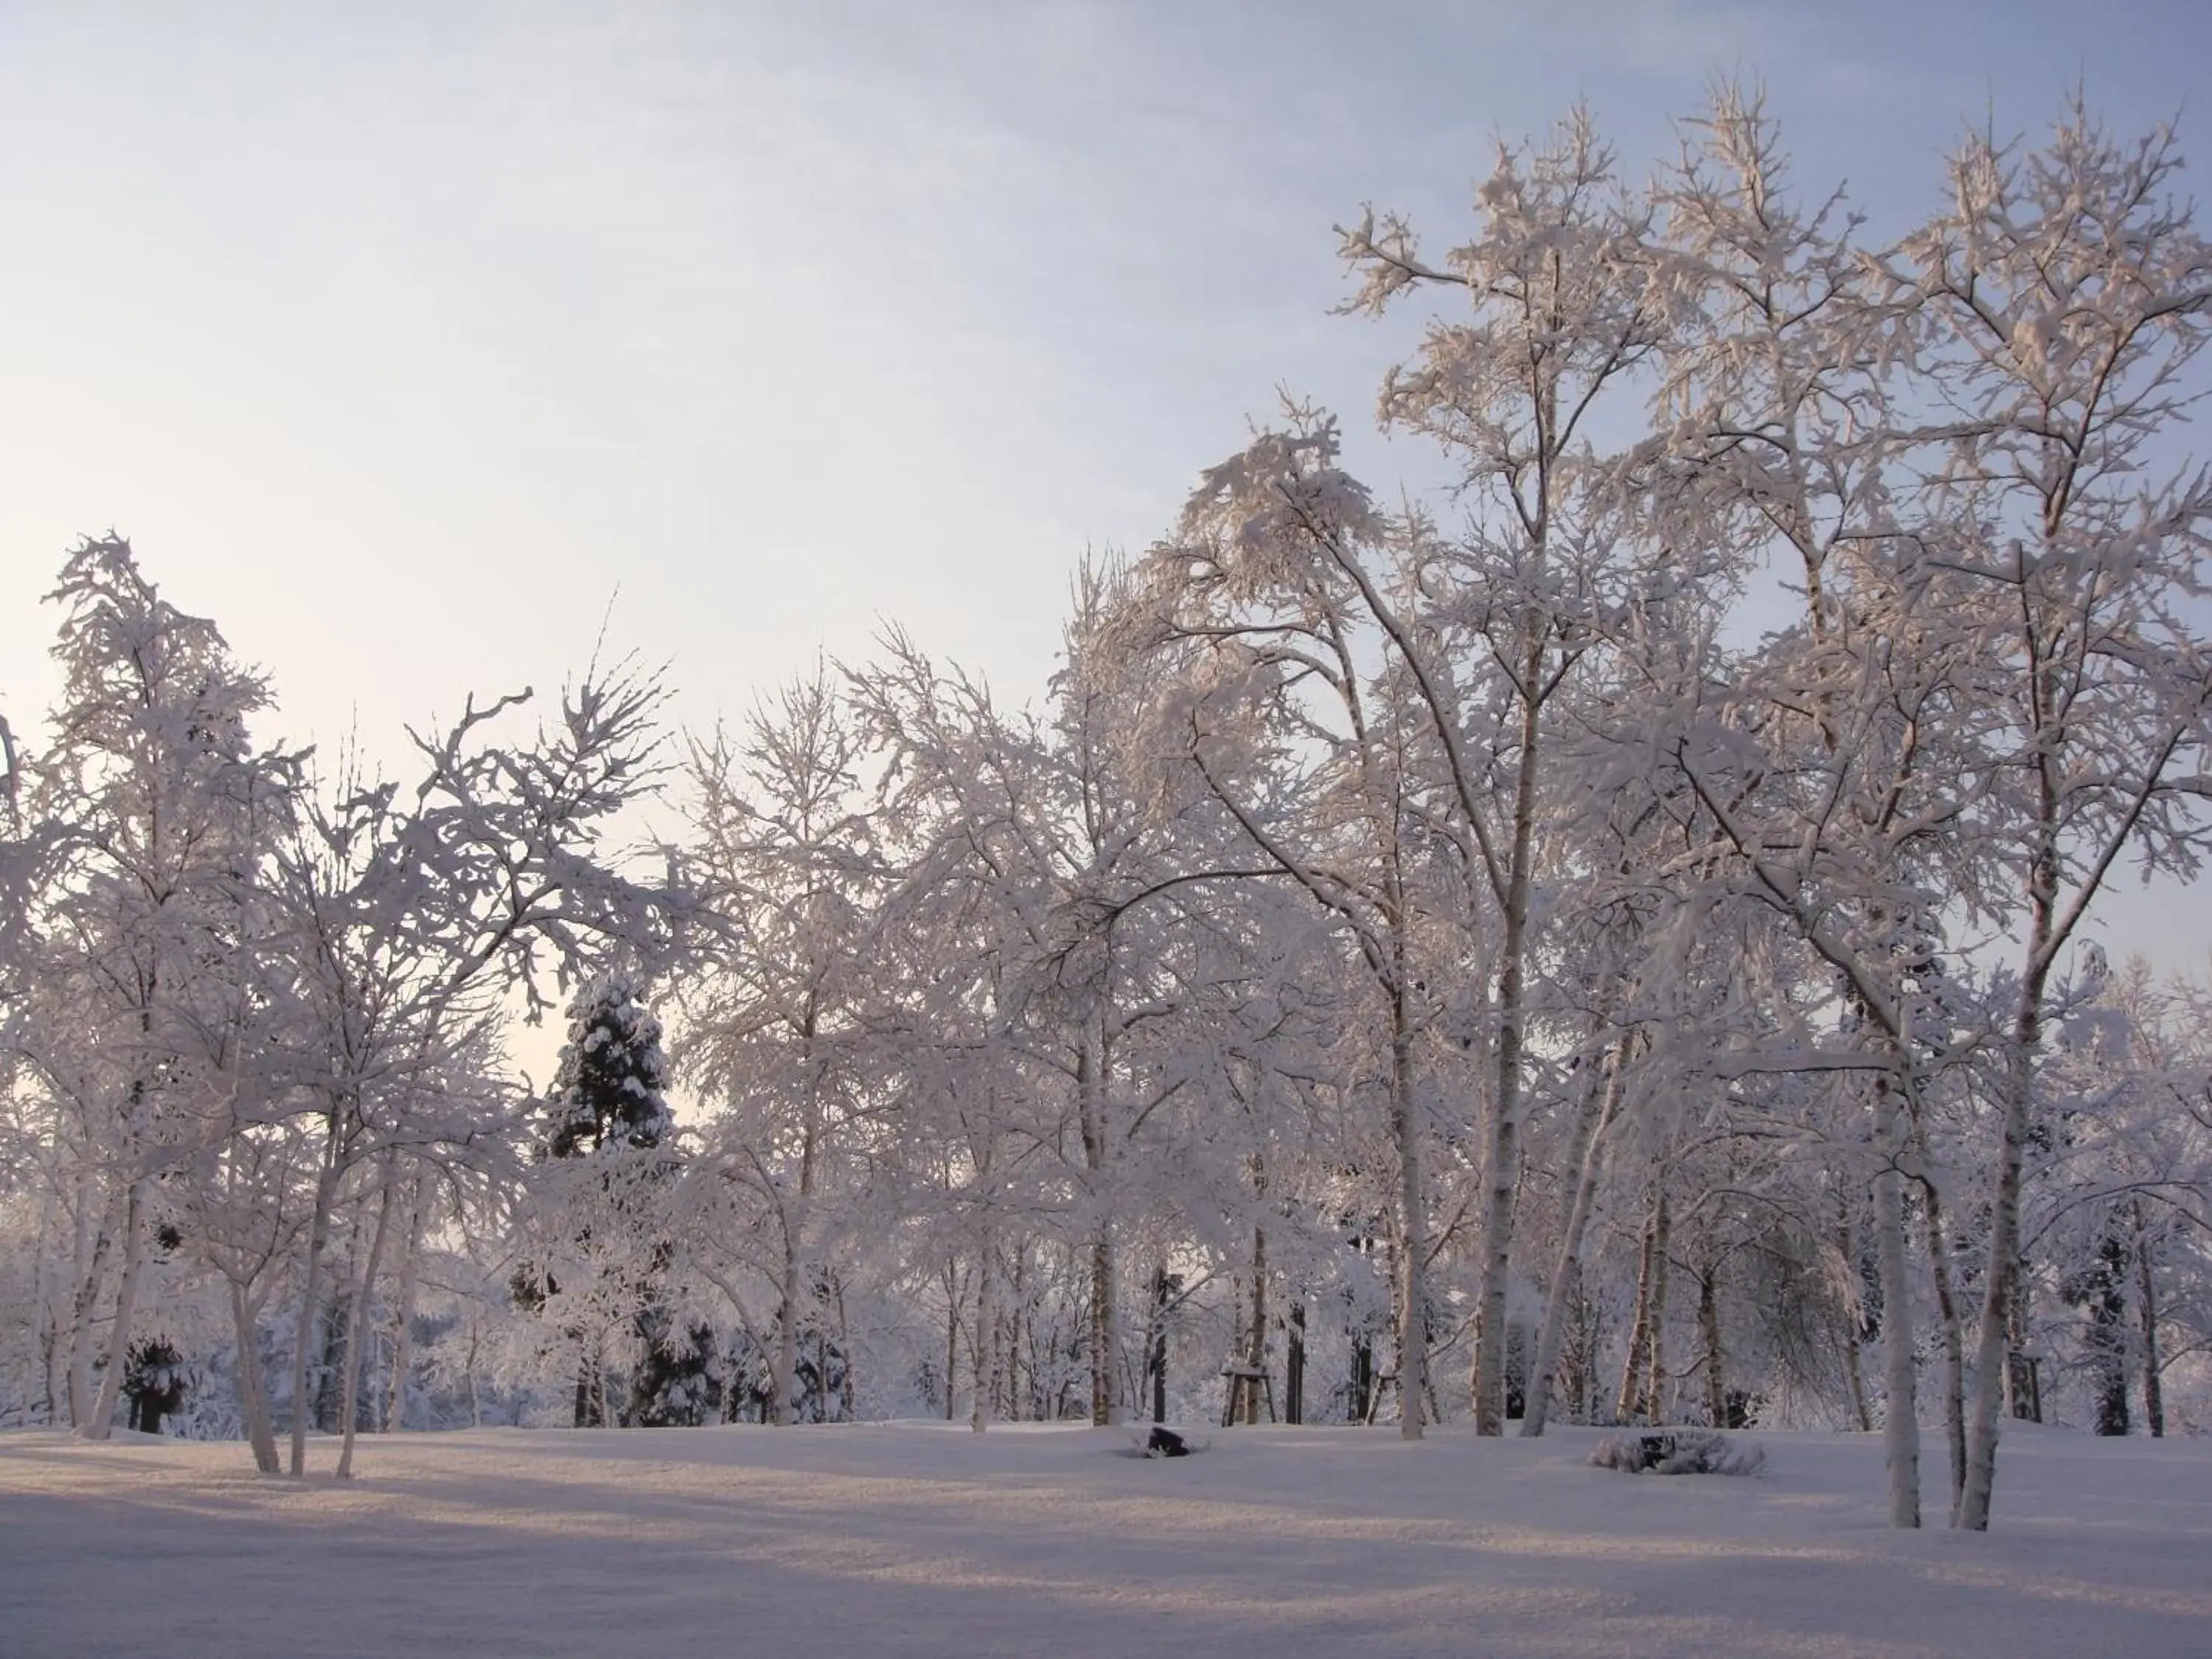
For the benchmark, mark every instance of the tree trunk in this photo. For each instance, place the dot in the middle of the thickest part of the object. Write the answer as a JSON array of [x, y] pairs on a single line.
[[1502, 1153], [469, 1366], [2153, 1390], [1021, 1371], [951, 1335], [329, 1379], [252, 1392], [986, 1342], [1294, 1366], [786, 1368], [1090, 1092], [1955, 1346], [91, 1272], [357, 1329], [1662, 1230], [1255, 1348], [1414, 1239], [1709, 1333], [585, 1414], [1585, 1157], [1900, 1407], [126, 1304], [1104, 1320], [1156, 1344], [318, 1232], [403, 1321], [2001, 1278], [41, 1309], [1629, 1405]]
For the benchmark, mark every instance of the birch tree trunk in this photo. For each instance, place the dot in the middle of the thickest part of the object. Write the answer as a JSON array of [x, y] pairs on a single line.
[[318, 1233], [126, 1304], [1586, 1157], [986, 1339], [786, 1330], [2153, 1390], [1954, 1344], [1985, 1418], [1255, 1345], [403, 1321], [1090, 1084], [90, 1273], [951, 1335], [1502, 1160], [252, 1390], [1104, 1320], [1020, 1378], [1656, 1391], [1156, 1344], [357, 1328], [1709, 1333], [1414, 1252], [42, 1314], [1629, 1404], [1901, 1420], [476, 1340]]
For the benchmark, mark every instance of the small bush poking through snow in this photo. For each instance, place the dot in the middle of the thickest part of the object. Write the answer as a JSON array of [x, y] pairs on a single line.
[[1158, 1440], [1165, 1442], [1686, 1451]]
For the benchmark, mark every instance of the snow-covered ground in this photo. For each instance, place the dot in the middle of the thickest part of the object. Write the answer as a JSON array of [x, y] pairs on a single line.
[[915, 1539]]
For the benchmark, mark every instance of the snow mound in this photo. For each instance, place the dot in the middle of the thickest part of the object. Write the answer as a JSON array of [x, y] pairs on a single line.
[[1679, 1451]]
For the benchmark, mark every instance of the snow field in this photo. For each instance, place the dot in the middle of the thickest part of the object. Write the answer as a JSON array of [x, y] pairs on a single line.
[[915, 1539]]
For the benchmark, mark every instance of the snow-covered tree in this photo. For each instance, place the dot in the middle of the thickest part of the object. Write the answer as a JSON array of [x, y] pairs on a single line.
[[151, 808], [604, 1134], [609, 1084]]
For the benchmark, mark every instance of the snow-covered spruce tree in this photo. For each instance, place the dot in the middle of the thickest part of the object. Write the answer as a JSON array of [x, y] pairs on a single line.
[[607, 1107], [610, 1083]]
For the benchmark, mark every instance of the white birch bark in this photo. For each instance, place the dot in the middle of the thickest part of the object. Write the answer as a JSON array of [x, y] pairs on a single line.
[[93, 1248], [356, 1359], [402, 1321], [1901, 1406], [318, 1232], [984, 1344], [252, 1390], [1586, 1158], [1413, 1247], [126, 1304]]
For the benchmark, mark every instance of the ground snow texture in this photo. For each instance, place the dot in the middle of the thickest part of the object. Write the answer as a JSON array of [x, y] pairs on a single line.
[[915, 1539]]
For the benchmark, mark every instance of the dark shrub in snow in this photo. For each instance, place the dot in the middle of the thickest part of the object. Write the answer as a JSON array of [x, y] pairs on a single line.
[[1682, 1451]]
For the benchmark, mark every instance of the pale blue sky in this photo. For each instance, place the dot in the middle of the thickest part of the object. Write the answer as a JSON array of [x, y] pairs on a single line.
[[395, 337]]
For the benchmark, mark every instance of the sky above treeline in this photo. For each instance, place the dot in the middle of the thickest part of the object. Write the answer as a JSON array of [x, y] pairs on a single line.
[[399, 338]]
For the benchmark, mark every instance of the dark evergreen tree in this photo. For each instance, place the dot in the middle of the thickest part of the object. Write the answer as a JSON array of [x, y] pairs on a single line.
[[608, 1094], [154, 1384], [677, 1384], [2101, 1289], [610, 1080]]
